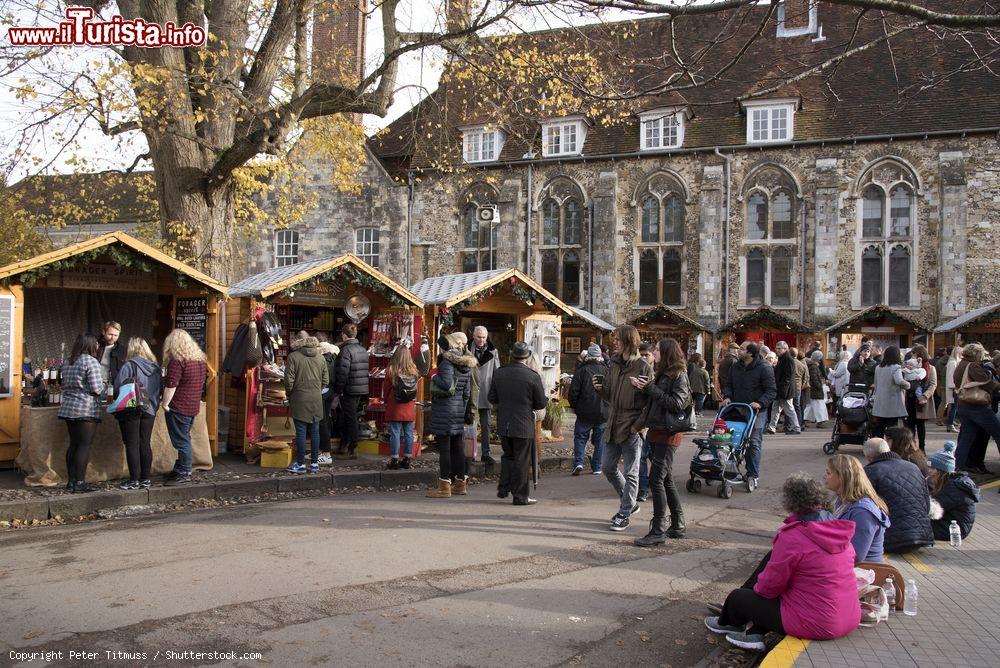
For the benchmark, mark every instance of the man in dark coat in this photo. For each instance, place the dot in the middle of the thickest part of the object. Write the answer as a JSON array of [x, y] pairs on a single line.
[[591, 410], [517, 392], [862, 367], [751, 381], [904, 489], [784, 380], [110, 353], [351, 386]]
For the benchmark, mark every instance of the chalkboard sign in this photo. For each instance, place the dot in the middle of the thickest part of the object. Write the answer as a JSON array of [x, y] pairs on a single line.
[[6, 345], [192, 316]]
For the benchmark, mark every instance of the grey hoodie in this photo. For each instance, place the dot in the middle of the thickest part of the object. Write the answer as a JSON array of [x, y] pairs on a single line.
[[148, 375]]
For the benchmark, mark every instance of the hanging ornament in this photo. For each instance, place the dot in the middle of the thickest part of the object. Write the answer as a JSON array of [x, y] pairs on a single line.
[[444, 310], [512, 280]]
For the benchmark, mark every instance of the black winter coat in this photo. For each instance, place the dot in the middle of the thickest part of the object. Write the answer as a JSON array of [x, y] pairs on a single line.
[[861, 374], [904, 490], [784, 376], [667, 395], [958, 499], [117, 355], [448, 413], [517, 392], [352, 370], [583, 398], [749, 384], [235, 362], [815, 379]]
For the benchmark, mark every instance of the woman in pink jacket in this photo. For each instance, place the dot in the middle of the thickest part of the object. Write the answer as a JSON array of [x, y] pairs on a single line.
[[805, 587]]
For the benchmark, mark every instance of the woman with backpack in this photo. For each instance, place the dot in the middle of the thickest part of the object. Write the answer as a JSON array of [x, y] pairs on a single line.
[[399, 391], [668, 416], [136, 424]]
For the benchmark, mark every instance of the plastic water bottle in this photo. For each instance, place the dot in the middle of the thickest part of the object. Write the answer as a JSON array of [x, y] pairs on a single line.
[[910, 602], [955, 533], [890, 594]]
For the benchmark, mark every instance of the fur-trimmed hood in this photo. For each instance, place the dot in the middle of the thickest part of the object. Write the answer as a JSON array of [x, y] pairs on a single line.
[[327, 347], [461, 359], [308, 346]]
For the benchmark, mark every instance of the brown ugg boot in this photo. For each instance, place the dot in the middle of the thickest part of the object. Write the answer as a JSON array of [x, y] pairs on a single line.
[[460, 486], [442, 492]]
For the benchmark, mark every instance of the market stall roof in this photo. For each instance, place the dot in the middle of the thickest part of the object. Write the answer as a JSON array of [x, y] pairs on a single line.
[[452, 289], [110, 239], [592, 319], [971, 318], [273, 281], [764, 316], [877, 312], [670, 315]]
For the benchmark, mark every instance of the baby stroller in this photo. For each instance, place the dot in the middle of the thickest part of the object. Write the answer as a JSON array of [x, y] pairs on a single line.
[[724, 461], [853, 419]]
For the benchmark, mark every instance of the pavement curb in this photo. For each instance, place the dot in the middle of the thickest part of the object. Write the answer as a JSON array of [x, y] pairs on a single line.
[[24, 510]]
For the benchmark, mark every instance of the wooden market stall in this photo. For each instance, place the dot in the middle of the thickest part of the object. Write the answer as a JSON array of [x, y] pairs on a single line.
[[46, 301], [767, 326], [319, 296], [578, 332], [981, 325], [885, 326], [508, 303], [662, 321]]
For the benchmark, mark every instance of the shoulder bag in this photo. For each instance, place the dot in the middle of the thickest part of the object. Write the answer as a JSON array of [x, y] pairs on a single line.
[[681, 421], [131, 396], [972, 393]]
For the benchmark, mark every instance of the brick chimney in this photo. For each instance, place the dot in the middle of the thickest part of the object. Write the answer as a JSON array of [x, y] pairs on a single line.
[[458, 14], [797, 17], [338, 41]]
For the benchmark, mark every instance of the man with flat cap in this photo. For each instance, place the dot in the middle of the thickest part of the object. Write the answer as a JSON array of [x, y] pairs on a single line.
[[517, 392]]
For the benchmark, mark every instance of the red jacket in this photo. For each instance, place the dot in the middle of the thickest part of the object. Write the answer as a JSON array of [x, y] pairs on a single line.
[[811, 571], [395, 412]]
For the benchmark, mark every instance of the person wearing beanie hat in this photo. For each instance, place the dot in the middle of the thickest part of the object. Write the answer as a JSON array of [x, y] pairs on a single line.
[[591, 410], [721, 432], [954, 491]]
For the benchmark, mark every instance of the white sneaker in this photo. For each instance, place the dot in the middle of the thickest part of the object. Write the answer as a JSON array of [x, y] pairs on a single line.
[[324, 458]]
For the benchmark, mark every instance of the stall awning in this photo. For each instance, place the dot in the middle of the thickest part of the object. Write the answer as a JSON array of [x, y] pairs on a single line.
[[876, 313], [279, 279], [767, 318], [452, 290], [94, 246], [590, 319], [669, 316], [970, 319]]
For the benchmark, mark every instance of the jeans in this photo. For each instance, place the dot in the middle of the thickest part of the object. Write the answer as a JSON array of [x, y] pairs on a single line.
[[179, 429], [451, 456], [484, 430], [644, 467], [626, 485], [952, 412], [976, 420], [404, 430], [699, 402], [137, 431], [799, 409], [791, 417], [581, 432], [755, 447], [661, 483], [514, 467], [301, 428]]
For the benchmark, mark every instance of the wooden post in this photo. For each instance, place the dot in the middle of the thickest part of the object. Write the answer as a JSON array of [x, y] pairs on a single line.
[[212, 382], [10, 407]]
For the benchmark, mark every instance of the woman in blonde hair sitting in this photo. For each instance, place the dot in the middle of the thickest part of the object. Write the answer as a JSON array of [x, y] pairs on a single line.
[[858, 502], [137, 424], [186, 374]]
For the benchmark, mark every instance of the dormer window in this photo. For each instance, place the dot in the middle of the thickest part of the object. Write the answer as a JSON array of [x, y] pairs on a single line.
[[770, 121], [482, 144], [661, 128], [563, 136]]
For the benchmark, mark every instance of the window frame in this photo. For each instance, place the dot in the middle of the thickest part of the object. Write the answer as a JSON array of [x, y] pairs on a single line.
[[479, 134], [361, 244], [295, 243], [561, 126], [769, 109], [661, 245], [557, 243], [658, 118]]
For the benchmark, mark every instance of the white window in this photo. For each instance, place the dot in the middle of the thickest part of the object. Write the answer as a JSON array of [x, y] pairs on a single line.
[[366, 245], [769, 122], [563, 137], [483, 145], [286, 247], [663, 128]]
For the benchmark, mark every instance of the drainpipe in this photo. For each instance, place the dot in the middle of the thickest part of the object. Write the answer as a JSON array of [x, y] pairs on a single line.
[[409, 224], [725, 289], [802, 264], [527, 227], [590, 258]]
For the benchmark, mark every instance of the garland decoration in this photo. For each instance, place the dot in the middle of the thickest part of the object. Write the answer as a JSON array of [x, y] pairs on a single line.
[[122, 257], [349, 273], [522, 293]]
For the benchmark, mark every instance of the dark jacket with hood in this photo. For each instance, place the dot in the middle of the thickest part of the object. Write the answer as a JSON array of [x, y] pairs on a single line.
[[667, 395], [448, 413], [958, 499], [352, 369], [749, 384], [306, 375], [784, 376], [148, 375], [815, 379], [517, 392], [626, 403], [862, 373], [590, 408], [904, 490], [117, 356]]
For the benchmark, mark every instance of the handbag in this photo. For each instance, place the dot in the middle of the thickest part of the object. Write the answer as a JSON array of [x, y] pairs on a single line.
[[438, 393], [131, 397], [681, 421], [973, 394]]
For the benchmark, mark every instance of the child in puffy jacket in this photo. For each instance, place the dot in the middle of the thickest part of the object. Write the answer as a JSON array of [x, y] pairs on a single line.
[[954, 490]]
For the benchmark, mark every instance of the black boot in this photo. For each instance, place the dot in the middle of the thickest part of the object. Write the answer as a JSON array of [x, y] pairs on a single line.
[[656, 536], [676, 529]]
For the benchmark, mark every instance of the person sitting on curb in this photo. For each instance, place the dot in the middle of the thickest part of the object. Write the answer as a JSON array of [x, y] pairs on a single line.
[[858, 502], [805, 587], [955, 491], [904, 490]]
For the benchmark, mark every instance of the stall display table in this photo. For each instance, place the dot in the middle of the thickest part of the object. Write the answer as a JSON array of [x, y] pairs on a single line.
[[44, 441]]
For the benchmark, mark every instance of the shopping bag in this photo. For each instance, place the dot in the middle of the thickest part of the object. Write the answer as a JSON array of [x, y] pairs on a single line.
[[125, 401], [471, 443]]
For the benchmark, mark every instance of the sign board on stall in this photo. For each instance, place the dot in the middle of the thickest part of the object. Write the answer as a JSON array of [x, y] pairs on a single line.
[[322, 293], [192, 316], [6, 346], [108, 277]]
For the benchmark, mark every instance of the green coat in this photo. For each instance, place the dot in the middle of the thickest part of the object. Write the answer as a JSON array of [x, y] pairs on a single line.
[[306, 374], [699, 381]]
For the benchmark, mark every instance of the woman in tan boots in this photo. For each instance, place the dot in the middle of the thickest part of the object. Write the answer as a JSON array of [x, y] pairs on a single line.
[[451, 389]]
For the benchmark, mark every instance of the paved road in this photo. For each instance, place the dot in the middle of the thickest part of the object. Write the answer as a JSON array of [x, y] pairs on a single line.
[[396, 579]]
